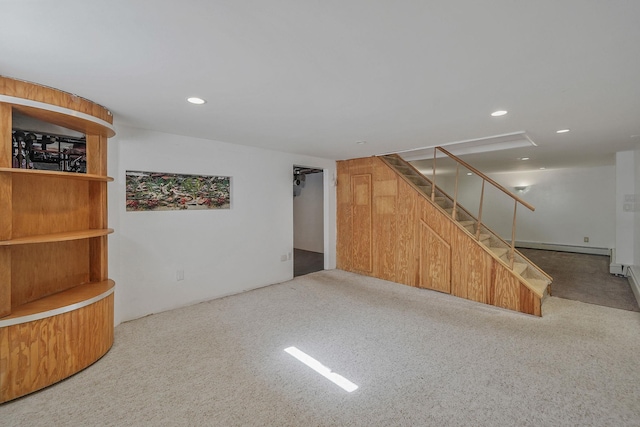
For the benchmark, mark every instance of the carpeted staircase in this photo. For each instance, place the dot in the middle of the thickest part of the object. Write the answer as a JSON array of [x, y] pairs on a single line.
[[534, 278]]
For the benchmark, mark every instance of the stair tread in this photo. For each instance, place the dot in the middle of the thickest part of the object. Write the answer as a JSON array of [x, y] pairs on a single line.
[[498, 251], [539, 285], [519, 267]]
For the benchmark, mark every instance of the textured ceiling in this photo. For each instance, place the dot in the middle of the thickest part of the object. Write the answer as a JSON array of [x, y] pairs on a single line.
[[314, 77]]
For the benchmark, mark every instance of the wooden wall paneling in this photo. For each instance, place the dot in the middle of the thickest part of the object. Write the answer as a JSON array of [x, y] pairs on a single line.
[[41, 270], [388, 230], [343, 217], [529, 302], [437, 220], [506, 288], [434, 260], [52, 205], [385, 192], [361, 222], [5, 136], [406, 254], [472, 269]]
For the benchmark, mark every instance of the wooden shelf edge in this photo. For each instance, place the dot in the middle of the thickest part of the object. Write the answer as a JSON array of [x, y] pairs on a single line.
[[57, 237], [74, 119], [62, 302], [58, 174]]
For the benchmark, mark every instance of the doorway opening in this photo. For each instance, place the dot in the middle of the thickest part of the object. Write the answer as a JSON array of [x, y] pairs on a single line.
[[308, 220]]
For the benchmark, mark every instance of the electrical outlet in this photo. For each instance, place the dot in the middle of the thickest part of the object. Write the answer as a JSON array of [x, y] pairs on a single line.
[[586, 240], [179, 274]]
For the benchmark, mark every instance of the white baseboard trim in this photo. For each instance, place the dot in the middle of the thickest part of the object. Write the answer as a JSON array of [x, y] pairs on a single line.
[[634, 281], [564, 248]]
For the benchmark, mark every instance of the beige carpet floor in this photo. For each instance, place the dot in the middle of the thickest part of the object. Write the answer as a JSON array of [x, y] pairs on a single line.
[[420, 358]]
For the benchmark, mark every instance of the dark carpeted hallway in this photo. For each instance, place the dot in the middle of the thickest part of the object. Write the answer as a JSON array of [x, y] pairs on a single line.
[[305, 262], [584, 277]]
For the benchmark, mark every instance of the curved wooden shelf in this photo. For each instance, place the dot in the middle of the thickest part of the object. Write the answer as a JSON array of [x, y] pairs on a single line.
[[58, 174], [49, 98], [62, 302], [57, 237], [49, 340], [60, 116], [56, 317]]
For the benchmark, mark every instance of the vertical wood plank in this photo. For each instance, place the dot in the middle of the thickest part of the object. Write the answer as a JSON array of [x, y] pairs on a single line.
[[361, 223], [97, 154], [343, 217], [506, 288], [5, 136], [5, 281], [5, 369], [407, 256], [6, 207], [435, 261], [529, 302], [472, 272], [385, 192], [98, 247]]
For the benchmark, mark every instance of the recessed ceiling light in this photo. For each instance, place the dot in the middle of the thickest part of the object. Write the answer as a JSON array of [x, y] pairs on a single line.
[[523, 158], [498, 113], [563, 131], [469, 173], [361, 142], [543, 168], [196, 100]]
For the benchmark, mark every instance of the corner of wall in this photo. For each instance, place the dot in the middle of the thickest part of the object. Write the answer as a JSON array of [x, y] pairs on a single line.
[[634, 281]]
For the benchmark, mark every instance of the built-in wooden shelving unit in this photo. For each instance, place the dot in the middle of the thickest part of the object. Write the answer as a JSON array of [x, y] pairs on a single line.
[[57, 237], [56, 301]]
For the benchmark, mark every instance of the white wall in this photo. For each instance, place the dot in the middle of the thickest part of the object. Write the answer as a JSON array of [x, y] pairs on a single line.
[[308, 215], [570, 204], [634, 277], [637, 210], [625, 217], [222, 252]]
